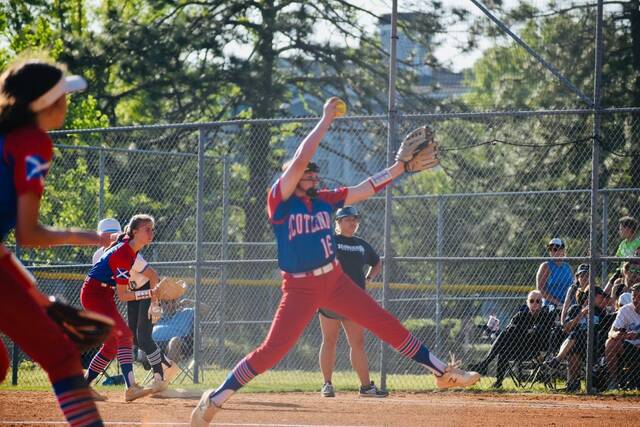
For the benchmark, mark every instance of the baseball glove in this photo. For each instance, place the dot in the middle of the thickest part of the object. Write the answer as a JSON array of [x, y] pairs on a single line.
[[169, 288], [425, 159], [414, 142], [87, 329]]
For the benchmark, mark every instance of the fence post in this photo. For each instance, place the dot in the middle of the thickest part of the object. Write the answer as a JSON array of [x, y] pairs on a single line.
[[101, 181], [595, 186], [15, 352], [605, 238], [391, 143], [197, 344], [224, 255], [439, 265]]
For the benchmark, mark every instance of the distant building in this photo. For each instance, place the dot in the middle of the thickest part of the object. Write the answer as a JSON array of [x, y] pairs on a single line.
[[351, 159], [437, 83]]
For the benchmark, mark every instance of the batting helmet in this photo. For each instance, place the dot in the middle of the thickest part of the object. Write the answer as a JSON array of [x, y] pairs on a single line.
[[347, 211]]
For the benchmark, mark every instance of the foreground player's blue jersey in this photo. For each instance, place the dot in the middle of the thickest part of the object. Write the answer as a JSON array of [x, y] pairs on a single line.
[[303, 228], [25, 158]]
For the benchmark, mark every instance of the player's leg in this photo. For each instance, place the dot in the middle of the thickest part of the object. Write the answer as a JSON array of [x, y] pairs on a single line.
[[146, 343], [124, 338], [95, 297], [297, 306], [330, 329], [347, 299], [29, 327], [359, 359]]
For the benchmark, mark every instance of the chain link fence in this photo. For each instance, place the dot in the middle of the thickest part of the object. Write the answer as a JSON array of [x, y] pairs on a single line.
[[466, 239]]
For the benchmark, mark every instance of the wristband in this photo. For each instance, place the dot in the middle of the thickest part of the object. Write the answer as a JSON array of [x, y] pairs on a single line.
[[142, 294], [380, 180]]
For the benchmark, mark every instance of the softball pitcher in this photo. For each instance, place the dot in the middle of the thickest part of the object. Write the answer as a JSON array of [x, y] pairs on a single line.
[[32, 102], [300, 215], [111, 274]]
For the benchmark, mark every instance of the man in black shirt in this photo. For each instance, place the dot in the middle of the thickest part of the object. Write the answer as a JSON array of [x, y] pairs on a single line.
[[354, 254], [526, 334]]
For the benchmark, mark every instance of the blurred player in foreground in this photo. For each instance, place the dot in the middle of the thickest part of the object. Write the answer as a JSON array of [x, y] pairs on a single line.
[[312, 277], [33, 101]]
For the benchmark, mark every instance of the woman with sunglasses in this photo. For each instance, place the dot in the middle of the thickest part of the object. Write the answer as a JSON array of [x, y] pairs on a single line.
[[526, 334], [555, 277]]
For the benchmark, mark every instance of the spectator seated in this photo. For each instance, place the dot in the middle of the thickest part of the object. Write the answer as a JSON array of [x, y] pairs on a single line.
[[526, 335], [174, 331], [574, 348], [623, 345]]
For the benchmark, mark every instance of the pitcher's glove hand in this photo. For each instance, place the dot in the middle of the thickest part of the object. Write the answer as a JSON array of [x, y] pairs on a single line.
[[418, 150], [169, 289], [87, 329]]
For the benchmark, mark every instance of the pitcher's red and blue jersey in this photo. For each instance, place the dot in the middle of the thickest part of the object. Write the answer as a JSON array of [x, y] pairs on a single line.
[[303, 228], [25, 158], [113, 266]]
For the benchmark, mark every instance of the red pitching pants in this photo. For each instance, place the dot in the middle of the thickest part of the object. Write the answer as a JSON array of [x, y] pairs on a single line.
[[28, 326], [301, 298], [99, 298]]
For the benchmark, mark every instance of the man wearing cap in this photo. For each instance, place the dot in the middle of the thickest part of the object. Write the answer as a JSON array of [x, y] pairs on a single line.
[[554, 278], [354, 254], [623, 345], [577, 291]]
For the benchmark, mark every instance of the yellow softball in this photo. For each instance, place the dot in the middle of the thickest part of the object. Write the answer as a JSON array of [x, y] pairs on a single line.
[[341, 108]]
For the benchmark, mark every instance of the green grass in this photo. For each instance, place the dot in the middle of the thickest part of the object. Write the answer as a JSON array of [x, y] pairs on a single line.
[[34, 379]]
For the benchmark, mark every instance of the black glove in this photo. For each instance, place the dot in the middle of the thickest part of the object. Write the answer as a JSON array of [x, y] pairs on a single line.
[[86, 329]]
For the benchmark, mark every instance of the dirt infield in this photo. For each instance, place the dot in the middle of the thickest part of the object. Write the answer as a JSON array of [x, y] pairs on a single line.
[[346, 410]]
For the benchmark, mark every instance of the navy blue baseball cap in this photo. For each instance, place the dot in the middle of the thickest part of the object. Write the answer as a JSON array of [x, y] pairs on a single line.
[[583, 268], [347, 211]]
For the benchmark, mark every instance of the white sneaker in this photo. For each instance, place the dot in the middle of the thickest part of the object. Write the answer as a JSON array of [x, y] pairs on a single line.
[[203, 413], [159, 385], [327, 390], [456, 377], [97, 397], [136, 392]]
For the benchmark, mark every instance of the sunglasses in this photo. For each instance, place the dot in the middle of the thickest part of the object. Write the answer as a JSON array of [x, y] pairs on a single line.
[[312, 179], [535, 301], [555, 248]]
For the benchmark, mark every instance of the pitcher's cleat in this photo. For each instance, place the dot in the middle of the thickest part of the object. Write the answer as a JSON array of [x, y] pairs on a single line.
[[203, 413], [453, 376], [136, 392], [97, 397]]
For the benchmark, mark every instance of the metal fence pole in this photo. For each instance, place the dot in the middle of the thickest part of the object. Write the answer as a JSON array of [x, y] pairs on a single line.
[[605, 238], [197, 344], [15, 353], [224, 255], [595, 186], [101, 180], [391, 143], [439, 265]]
